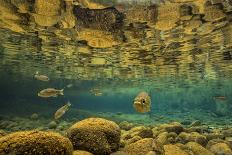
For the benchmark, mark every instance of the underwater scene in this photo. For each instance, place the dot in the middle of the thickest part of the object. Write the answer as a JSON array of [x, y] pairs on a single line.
[[115, 77]]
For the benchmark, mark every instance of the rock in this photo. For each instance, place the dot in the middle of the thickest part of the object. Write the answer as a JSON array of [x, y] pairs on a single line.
[[173, 150], [213, 135], [197, 149], [220, 149], [126, 125], [227, 133], [195, 123], [96, 135], [80, 152], [186, 122], [34, 116], [35, 142], [144, 146], [52, 125], [172, 127], [133, 139], [141, 131], [118, 153], [162, 138], [184, 137], [2, 133]]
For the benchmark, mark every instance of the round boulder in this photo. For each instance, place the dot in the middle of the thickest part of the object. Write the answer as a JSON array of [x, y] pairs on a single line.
[[96, 135], [35, 142]]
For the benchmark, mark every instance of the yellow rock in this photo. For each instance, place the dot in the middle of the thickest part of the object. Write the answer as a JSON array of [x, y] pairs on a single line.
[[79, 152], [197, 149], [173, 150]]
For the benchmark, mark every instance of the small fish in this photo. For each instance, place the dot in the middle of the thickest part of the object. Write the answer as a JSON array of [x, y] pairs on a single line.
[[98, 94], [219, 97], [142, 102], [61, 111], [41, 77], [50, 92], [69, 85]]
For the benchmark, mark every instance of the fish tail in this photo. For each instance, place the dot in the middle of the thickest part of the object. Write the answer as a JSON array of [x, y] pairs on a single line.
[[62, 92]]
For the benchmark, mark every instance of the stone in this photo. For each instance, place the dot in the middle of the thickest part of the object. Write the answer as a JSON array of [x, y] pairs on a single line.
[[142, 131], [96, 135], [220, 148], [197, 149], [162, 138], [124, 125], [143, 147], [172, 127], [2, 133], [52, 125], [80, 152], [195, 123], [184, 137], [35, 142], [174, 150]]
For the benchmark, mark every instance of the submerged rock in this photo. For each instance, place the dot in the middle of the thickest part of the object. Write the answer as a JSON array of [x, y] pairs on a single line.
[[197, 149], [174, 150], [80, 152], [96, 135], [144, 146], [35, 142], [2, 133], [52, 125], [220, 149], [172, 127], [184, 137]]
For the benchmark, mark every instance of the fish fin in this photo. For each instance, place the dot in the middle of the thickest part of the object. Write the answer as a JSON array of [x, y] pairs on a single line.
[[62, 92]]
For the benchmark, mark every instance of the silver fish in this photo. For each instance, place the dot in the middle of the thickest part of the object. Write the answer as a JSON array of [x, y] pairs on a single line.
[[50, 92], [41, 77], [142, 102], [61, 111]]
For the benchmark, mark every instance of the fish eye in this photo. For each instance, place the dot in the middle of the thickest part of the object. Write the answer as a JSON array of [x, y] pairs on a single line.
[[143, 100]]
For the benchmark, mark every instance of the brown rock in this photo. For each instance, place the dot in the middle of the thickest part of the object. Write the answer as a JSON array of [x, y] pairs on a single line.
[[35, 142], [79, 152], [172, 127], [174, 150], [96, 135], [184, 137], [143, 147], [220, 148], [197, 149]]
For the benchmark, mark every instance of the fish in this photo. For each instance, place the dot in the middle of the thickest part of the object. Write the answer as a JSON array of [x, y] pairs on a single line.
[[62, 110], [41, 77], [142, 102], [98, 94], [69, 85], [219, 98], [50, 92]]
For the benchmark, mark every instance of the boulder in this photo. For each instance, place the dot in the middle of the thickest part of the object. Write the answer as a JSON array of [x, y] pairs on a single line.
[[35, 142], [96, 135]]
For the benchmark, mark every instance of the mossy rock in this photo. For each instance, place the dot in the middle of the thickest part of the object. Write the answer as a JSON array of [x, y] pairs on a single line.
[[96, 135], [143, 147], [35, 142]]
